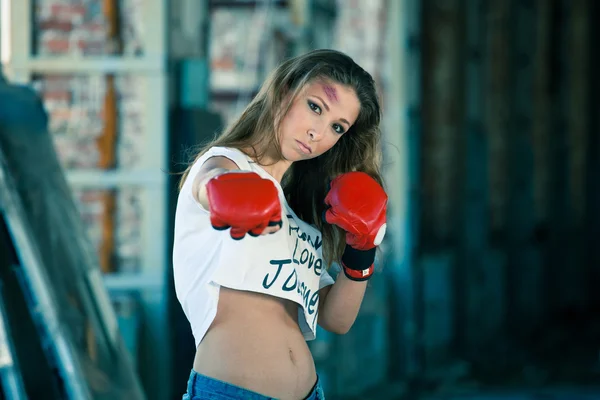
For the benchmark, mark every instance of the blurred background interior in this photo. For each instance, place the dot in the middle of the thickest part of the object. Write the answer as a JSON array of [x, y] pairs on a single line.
[[488, 284]]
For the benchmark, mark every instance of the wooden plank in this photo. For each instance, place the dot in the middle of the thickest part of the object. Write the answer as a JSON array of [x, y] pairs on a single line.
[[523, 308], [114, 43], [573, 278], [438, 310], [592, 210], [492, 301], [402, 132], [497, 112], [107, 142], [578, 77], [107, 160], [442, 122], [475, 270], [490, 278], [541, 113], [558, 251]]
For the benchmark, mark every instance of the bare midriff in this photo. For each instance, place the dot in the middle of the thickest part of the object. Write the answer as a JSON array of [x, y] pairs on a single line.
[[255, 343]]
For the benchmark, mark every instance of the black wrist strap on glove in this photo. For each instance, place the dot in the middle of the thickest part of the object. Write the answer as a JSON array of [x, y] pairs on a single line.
[[358, 265]]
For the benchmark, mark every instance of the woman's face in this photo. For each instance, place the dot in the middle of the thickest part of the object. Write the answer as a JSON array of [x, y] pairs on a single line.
[[319, 116]]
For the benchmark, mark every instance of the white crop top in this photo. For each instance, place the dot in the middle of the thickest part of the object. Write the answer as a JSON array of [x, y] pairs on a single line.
[[286, 264]]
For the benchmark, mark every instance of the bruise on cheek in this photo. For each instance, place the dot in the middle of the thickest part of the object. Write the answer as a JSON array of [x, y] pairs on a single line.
[[330, 92]]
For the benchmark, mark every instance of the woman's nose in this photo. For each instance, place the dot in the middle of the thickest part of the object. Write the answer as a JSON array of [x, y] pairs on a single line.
[[315, 133]]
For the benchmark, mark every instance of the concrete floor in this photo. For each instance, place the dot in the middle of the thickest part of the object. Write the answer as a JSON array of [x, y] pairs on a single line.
[[400, 392], [548, 394]]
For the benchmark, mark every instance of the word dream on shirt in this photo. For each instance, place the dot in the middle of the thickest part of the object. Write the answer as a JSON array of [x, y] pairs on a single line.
[[304, 256]]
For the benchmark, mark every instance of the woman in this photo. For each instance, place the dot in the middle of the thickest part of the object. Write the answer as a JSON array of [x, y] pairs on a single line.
[[290, 187]]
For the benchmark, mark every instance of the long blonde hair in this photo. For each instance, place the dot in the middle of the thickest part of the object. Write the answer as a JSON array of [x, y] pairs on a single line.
[[306, 183]]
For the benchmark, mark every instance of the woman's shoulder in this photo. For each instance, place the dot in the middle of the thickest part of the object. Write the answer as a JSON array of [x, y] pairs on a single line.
[[232, 153]]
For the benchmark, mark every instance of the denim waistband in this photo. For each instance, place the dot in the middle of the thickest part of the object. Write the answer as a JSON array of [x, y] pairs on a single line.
[[203, 387]]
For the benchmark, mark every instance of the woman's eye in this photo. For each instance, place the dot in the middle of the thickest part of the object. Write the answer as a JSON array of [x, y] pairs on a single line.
[[314, 107], [338, 128]]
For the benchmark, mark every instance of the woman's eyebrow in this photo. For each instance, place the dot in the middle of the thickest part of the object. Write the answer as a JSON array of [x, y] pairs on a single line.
[[327, 108], [324, 103]]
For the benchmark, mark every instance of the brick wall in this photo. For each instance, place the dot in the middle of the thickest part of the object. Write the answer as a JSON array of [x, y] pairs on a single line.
[[75, 107], [359, 32], [79, 27], [238, 61], [128, 235], [235, 31]]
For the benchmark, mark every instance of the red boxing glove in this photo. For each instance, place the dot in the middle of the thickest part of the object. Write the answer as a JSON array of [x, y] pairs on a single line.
[[244, 202], [358, 205]]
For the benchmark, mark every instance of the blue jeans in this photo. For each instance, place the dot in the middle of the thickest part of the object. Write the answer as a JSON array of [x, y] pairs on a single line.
[[201, 387]]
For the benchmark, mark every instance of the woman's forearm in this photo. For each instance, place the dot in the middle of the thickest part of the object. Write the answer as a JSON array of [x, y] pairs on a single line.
[[340, 304], [199, 186], [212, 167]]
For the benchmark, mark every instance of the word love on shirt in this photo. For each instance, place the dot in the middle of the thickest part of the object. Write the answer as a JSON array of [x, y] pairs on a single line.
[[304, 258]]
